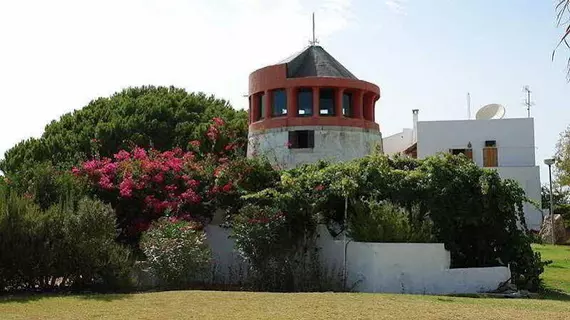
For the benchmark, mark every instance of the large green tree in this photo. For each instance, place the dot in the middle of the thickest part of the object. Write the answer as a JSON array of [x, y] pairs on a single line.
[[562, 166], [159, 117]]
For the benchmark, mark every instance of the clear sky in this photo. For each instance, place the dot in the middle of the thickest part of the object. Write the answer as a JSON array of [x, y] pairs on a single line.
[[57, 55]]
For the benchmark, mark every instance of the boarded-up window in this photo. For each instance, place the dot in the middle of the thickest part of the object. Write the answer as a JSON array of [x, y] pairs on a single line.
[[301, 139], [490, 157]]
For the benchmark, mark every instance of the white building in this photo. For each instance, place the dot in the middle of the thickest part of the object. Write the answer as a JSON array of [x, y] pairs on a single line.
[[506, 145]]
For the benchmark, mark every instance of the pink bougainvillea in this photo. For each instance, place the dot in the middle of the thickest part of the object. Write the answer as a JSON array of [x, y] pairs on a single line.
[[145, 184]]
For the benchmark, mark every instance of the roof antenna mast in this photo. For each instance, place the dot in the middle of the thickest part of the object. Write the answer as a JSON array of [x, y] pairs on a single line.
[[528, 103], [314, 41]]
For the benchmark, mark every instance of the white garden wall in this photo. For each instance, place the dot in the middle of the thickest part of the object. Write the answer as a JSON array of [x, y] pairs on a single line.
[[227, 265], [421, 268]]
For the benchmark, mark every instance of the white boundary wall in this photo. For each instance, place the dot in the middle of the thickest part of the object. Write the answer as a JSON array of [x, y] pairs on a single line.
[[420, 268]]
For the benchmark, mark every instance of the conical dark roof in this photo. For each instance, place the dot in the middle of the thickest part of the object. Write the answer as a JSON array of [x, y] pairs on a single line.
[[314, 61]]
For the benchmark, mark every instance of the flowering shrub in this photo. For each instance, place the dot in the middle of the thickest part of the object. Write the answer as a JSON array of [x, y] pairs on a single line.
[[154, 183], [176, 252], [146, 184]]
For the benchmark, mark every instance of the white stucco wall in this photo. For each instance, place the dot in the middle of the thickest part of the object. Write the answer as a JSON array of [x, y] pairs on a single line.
[[228, 267], [514, 137], [421, 268], [529, 180], [398, 142], [333, 143]]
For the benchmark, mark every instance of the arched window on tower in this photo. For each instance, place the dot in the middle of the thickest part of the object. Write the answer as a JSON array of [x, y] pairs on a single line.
[[305, 102]]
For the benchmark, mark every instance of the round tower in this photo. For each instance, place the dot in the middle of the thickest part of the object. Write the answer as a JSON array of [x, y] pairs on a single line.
[[310, 107]]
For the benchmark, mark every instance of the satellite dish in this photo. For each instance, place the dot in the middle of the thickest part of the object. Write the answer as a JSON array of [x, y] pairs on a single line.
[[490, 111]]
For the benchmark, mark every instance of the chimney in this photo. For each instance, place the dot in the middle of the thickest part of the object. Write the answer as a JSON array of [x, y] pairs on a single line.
[[415, 131]]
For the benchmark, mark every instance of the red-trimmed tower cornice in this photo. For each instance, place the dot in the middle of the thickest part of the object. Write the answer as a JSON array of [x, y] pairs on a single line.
[[314, 71]]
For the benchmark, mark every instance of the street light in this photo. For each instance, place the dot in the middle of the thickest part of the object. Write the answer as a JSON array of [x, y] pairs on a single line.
[[549, 163]]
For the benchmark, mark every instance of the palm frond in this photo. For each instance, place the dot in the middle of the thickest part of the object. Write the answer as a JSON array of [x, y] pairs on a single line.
[[563, 19]]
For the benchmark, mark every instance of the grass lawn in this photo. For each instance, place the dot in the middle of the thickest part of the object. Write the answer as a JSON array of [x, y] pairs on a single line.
[[245, 305], [314, 306], [556, 275]]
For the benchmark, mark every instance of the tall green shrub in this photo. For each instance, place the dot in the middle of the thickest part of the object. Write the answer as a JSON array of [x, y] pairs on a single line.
[[374, 221], [64, 247], [275, 233]]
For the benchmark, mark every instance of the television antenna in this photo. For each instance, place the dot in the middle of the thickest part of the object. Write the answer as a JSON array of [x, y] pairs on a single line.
[[528, 102]]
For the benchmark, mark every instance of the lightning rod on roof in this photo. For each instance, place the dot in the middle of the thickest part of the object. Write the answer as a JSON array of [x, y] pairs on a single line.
[[468, 106], [314, 41]]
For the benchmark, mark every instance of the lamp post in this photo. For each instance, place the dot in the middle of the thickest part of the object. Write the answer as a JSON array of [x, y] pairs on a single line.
[[549, 163]]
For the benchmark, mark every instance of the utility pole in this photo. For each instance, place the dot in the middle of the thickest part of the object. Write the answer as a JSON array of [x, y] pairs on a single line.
[[549, 163], [528, 103]]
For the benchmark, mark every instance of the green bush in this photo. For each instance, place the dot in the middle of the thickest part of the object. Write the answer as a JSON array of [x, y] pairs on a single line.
[[374, 221], [177, 252], [97, 257], [477, 215], [46, 185], [279, 245], [64, 247]]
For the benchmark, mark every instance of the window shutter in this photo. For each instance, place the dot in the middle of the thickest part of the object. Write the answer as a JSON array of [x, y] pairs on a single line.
[[490, 157], [293, 141], [311, 136]]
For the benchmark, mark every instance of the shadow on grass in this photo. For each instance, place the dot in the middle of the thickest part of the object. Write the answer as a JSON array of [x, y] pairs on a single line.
[[31, 297], [551, 294], [544, 294]]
